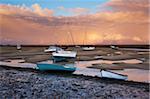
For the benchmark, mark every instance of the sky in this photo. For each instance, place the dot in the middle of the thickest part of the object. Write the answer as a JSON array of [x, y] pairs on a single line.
[[69, 22], [58, 5]]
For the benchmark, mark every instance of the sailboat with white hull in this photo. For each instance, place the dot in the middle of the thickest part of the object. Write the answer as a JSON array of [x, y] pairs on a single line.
[[62, 55], [87, 48]]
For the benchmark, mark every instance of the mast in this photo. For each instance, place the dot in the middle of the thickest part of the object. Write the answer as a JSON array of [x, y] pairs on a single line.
[[84, 38], [69, 33], [55, 34], [85, 32]]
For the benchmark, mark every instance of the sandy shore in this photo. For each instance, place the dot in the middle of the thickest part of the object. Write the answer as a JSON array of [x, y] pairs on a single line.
[[30, 84]]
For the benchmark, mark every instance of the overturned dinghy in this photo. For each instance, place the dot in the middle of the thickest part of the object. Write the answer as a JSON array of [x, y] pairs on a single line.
[[56, 67], [110, 74]]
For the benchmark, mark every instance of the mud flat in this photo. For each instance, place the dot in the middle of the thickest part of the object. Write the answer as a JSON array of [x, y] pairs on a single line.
[[30, 84]]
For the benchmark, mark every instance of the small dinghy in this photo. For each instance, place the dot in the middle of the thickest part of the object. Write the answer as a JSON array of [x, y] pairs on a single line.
[[110, 74], [18, 47], [114, 47], [56, 67], [88, 48]]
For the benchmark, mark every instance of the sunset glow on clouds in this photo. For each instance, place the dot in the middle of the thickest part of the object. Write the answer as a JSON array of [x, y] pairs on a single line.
[[105, 22]]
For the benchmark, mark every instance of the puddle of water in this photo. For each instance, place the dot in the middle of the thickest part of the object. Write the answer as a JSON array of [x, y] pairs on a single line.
[[143, 75], [89, 63], [18, 63], [135, 74], [118, 52]]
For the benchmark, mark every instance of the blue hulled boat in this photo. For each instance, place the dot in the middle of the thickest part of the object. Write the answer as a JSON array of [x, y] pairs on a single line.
[[56, 67]]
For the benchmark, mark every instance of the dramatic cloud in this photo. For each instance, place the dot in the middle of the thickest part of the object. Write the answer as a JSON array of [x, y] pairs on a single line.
[[122, 22], [43, 12], [129, 5], [24, 10], [15, 10], [126, 11]]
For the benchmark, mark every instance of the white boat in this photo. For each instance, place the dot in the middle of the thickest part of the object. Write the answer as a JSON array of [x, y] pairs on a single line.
[[114, 47], [18, 47], [64, 54], [53, 49], [110, 74], [99, 73], [88, 48]]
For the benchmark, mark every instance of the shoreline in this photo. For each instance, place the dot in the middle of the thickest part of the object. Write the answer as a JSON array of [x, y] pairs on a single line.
[[24, 83], [69, 74]]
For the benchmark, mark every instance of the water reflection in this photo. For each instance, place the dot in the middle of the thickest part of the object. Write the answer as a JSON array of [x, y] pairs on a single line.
[[89, 63], [135, 74]]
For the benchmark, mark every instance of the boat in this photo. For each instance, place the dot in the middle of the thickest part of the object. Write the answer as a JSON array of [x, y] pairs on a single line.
[[64, 55], [85, 39], [110, 74], [53, 49], [88, 48], [18, 47], [70, 54], [114, 47], [56, 67]]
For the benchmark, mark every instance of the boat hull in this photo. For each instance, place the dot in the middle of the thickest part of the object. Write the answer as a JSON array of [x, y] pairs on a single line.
[[109, 74], [56, 67], [60, 59], [88, 48]]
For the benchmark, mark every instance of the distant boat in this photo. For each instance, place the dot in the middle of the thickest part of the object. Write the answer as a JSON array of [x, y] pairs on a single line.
[[53, 49], [114, 47], [18, 47], [56, 67], [110, 74], [88, 48], [63, 55]]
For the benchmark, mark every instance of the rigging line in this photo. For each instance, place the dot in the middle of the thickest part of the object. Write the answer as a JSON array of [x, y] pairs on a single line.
[[55, 34], [84, 39], [85, 34], [66, 40], [67, 36], [70, 34]]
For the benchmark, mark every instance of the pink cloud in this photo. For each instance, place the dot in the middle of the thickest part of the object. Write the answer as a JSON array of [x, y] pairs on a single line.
[[129, 5], [23, 10], [74, 11], [43, 12]]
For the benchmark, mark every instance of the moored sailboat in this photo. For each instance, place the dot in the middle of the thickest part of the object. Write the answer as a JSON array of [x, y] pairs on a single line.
[[64, 55]]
